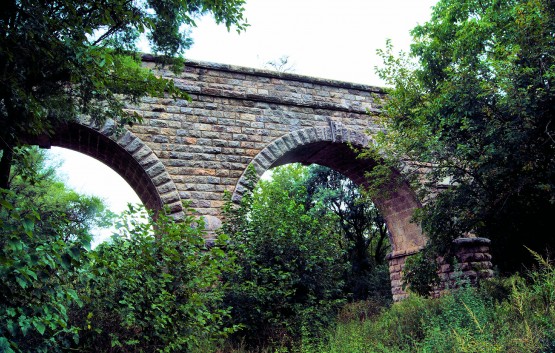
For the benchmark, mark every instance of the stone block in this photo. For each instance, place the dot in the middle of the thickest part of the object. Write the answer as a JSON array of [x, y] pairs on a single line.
[[155, 170], [481, 265], [484, 274]]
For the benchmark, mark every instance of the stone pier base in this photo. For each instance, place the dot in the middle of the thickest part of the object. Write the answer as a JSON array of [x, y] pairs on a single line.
[[396, 265], [473, 263]]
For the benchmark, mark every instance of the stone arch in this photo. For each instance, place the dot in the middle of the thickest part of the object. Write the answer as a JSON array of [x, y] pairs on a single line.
[[331, 147], [127, 155]]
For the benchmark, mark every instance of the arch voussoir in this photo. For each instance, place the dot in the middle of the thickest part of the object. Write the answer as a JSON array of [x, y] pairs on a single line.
[[296, 136], [129, 156], [289, 142]]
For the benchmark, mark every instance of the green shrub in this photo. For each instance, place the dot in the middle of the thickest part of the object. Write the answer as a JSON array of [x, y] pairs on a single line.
[[420, 274], [514, 315], [287, 284], [362, 310], [153, 288], [44, 233]]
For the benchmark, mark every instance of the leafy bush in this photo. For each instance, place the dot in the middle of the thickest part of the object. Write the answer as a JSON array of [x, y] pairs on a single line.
[[34, 281], [288, 280], [153, 287], [420, 274], [44, 233]]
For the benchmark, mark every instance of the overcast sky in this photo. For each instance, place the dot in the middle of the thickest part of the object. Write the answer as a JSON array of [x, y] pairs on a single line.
[[322, 38]]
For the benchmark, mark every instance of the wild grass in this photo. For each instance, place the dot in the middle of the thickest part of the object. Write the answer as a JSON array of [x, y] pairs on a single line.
[[510, 315]]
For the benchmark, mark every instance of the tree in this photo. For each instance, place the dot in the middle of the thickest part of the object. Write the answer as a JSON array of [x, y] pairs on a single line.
[[288, 281], [306, 240], [44, 231], [473, 103], [281, 64], [61, 59], [359, 223]]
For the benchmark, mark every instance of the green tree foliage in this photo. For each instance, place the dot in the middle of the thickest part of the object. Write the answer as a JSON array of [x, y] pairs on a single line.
[[288, 281], [44, 231], [153, 288], [64, 58], [473, 102], [362, 227]]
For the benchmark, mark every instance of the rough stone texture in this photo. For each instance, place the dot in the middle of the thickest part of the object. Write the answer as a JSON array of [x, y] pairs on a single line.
[[236, 113], [473, 264], [396, 266], [196, 150], [129, 156]]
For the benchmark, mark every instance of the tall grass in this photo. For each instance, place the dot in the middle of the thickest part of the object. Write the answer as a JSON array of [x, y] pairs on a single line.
[[516, 314], [511, 315]]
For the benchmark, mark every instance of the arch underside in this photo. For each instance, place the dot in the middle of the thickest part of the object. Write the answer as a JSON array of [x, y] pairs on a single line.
[[335, 155], [334, 150], [129, 157]]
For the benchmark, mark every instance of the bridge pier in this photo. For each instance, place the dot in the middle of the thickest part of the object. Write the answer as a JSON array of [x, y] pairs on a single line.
[[397, 261], [473, 264]]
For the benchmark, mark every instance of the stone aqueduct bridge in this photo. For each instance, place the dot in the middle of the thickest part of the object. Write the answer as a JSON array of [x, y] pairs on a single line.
[[239, 117]]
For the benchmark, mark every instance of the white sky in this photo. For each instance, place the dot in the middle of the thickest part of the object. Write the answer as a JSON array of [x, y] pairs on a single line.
[[322, 38]]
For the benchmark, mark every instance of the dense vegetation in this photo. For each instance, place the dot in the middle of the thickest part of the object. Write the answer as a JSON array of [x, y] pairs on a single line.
[[297, 259], [45, 231], [153, 287], [290, 264], [473, 102], [299, 265], [516, 315]]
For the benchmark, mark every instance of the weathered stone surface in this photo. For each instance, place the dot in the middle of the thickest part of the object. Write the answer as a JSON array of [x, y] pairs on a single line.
[[473, 264]]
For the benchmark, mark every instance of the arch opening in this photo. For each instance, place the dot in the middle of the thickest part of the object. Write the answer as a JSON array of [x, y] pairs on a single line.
[[332, 147], [318, 205], [129, 157]]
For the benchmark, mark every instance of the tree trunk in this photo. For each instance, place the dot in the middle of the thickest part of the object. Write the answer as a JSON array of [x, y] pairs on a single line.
[[5, 166]]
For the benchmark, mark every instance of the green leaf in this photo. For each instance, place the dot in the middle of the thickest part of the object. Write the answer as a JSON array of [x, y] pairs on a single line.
[[39, 326], [28, 226], [22, 282], [5, 345], [75, 252], [6, 204]]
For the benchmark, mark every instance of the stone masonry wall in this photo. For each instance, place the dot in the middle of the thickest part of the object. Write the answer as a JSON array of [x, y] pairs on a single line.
[[207, 143], [473, 264]]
